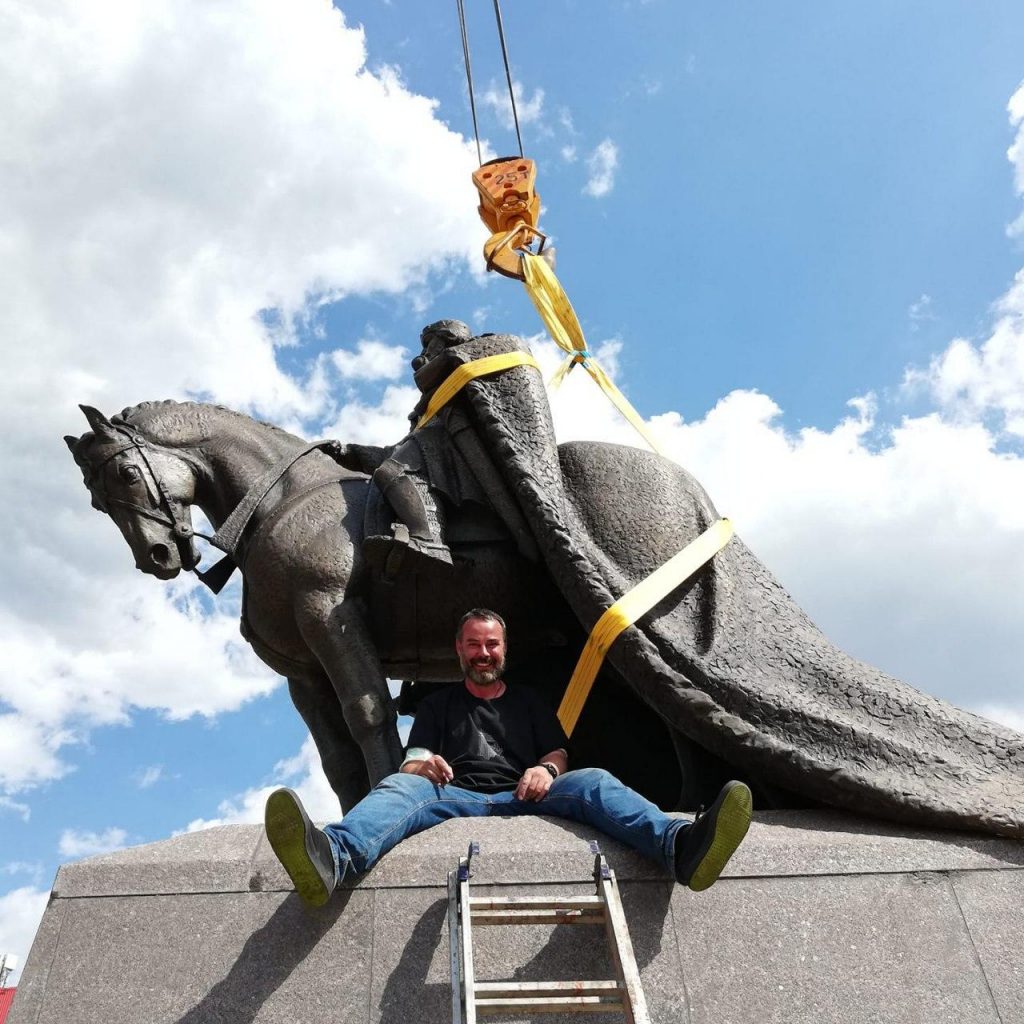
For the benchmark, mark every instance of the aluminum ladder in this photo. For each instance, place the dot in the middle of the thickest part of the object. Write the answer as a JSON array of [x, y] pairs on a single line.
[[472, 998]]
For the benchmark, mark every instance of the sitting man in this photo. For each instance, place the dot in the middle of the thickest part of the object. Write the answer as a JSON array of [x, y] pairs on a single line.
[[483, 748]]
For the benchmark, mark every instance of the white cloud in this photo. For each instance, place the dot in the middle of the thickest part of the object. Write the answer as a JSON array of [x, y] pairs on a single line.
[[921, 311], [171, 172], [22, 810], [23, 867], [372, 360], [601, 166], [150, 776], [383, 423], [977, 380], [76, 843], [301, 773], [80, 659], [1009, 716], [496, 97], [971, 380], [1015, 153], [21, 910], [568, 154]]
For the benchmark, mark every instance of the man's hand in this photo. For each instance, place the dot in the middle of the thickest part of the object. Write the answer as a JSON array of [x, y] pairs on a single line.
[[435, 768], [534, 784]]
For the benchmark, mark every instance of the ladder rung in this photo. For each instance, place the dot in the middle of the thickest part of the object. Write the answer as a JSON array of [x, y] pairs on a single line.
[[514, 989], [559, 915], [538, 902], [555, 1004]]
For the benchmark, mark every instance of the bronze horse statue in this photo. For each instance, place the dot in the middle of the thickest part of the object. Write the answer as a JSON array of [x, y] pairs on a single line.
[[313, 610], [726, 676]]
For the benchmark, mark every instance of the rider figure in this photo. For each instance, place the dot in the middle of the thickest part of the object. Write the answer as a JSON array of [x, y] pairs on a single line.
[[402, 477]]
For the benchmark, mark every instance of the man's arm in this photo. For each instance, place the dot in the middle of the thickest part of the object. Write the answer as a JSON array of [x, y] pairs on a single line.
[[536, 781]]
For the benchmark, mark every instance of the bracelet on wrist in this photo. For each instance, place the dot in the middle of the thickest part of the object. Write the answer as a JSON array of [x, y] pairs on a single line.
[[417, 754], [552, 769]]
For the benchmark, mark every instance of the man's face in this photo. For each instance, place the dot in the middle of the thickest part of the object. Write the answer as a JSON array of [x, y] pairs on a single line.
[[481, 651]]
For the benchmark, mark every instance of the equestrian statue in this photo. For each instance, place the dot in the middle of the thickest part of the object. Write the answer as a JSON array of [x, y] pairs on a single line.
[[358, 561]]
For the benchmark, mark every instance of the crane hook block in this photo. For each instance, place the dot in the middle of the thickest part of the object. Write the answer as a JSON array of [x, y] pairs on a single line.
[[510, 207]]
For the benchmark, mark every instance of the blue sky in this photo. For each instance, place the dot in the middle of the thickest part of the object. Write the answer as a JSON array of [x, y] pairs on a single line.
[[763, 214]]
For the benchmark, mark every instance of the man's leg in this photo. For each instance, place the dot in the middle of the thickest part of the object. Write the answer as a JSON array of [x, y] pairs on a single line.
[[596, 797], [399, 806], [695, 852]]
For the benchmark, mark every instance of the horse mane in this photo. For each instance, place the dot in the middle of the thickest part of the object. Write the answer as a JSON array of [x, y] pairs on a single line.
[[192, 421]]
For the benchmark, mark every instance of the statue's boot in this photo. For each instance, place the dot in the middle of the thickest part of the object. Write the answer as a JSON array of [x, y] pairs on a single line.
[[417, 543]]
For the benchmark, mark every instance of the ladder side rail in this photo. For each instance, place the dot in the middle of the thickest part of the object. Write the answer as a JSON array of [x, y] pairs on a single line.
[[466, 933], [621, 948], [454, 955]]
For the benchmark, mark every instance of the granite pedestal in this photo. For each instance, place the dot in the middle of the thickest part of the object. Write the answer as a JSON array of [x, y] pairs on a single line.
[[819, 918]]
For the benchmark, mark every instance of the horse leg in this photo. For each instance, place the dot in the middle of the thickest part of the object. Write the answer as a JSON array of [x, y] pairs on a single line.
[[341, 641], [342, 760]]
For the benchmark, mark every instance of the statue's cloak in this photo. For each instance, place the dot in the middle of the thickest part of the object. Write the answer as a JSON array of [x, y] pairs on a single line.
[[729, 659]]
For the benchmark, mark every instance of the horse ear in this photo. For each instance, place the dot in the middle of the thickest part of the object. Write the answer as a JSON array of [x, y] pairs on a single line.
[[101, 426], [71, 441]]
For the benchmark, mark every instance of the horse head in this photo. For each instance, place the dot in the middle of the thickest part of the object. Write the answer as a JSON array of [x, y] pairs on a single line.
[[146, 489]]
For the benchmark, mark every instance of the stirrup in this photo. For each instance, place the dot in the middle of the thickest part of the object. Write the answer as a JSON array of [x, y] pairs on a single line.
[[390, 555]]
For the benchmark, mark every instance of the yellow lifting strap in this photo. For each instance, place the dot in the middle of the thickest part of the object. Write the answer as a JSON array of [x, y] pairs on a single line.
[[559, 317], [634, 603], [458, 379]]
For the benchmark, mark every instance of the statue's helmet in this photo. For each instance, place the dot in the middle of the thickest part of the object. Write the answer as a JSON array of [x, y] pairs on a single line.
[[438, 336], [448, 332]]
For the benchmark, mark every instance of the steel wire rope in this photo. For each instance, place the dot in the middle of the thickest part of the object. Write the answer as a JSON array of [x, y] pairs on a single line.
[[469, 75], [508, 73], [460, 7]]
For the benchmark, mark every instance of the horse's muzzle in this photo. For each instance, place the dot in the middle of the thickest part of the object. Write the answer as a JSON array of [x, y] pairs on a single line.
[[164, 562]]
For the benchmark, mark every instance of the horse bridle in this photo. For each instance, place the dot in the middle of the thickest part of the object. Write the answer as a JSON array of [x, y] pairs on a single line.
[[179, 522], [229, 537]]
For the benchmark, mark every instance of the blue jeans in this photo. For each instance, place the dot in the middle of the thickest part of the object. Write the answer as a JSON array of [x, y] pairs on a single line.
[[402, 805]]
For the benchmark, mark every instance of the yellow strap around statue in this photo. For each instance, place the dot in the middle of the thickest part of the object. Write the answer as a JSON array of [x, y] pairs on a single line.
[[634, 603], [459, 378], [560, 318]]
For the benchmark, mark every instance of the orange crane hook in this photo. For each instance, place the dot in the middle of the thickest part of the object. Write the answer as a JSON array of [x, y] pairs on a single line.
[[510, 207]]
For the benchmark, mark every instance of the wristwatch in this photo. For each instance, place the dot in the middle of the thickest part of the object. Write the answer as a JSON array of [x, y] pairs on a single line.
[[552, 770]]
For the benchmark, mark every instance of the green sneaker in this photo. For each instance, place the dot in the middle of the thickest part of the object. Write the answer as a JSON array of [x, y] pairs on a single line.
[[703, 849], [303, 849]]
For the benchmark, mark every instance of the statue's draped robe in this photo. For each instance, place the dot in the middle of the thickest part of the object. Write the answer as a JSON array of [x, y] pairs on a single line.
[[729, 659]]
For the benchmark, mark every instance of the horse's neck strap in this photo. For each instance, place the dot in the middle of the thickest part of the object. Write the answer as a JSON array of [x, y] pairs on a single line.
[[229, 536]]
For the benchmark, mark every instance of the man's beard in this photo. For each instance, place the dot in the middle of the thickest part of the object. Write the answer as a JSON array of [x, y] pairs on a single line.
[[483, 676]]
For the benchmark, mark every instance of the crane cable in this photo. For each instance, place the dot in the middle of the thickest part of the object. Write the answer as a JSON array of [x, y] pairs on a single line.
[[460, 7], [469, 77]]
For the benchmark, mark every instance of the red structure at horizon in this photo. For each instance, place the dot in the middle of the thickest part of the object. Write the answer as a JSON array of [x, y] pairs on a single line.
[[6, 998]]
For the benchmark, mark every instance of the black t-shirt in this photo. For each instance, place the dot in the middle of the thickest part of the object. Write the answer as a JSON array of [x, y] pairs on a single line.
[[488, 743]]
